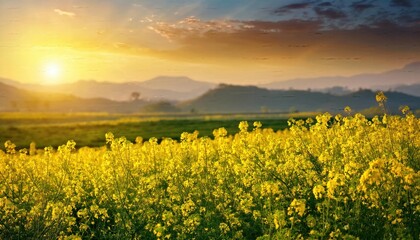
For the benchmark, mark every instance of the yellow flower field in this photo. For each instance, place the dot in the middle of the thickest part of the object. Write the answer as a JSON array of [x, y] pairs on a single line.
[[331, 177]]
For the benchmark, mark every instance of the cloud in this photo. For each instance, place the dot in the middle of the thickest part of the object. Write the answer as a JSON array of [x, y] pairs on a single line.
[[194, 27], [384, 23], [330, 13], [401, 3], [410, 19], [361, 6], [325, 4], [163, 31], [64, 13], [293, 25], [121, 45], [352, 14], [147, 19], [277, 42], [190, 20], [293, 6]]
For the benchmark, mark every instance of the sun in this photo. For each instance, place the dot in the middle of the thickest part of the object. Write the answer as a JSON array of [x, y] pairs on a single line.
[[52, 71]]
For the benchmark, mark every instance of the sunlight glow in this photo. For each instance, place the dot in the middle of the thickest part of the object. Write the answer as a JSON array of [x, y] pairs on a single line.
[[52, 70]]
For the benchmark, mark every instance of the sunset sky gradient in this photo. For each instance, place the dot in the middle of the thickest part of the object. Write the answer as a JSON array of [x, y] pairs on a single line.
[[234, 41]]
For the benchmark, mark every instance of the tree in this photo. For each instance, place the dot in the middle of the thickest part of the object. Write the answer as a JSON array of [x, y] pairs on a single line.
[[135, 96]]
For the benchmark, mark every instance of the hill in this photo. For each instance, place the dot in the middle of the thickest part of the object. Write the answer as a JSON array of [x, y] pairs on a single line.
[[173, 88], [159, 88], [229, 98], [413, 89], [389, 80], [223, 99], [18, 100]]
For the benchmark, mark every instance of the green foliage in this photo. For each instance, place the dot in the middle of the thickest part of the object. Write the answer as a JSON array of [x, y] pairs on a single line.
[[160, 107], [89, 129]]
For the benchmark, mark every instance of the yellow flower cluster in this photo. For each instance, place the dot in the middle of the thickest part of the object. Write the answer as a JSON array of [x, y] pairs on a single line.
[[298, 206], [329, 177]]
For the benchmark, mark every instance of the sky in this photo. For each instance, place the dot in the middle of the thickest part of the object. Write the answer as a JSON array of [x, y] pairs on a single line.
[[230, 41]]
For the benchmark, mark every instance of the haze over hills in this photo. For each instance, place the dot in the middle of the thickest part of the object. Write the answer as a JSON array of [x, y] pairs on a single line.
[[413, 89], [405, 80], [327, 94], [390, 80], [159, 88], [223, 99], [13, 99]]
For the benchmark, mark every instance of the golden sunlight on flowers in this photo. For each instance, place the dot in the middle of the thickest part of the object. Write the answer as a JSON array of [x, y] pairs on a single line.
[[338, 177], [318, 191], [298, 206]]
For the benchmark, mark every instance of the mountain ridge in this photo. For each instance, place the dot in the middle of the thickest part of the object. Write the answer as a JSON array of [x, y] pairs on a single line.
[[150, 89], [230, 98], [388, 80], [182, 88], [222, 99], [13, 99]]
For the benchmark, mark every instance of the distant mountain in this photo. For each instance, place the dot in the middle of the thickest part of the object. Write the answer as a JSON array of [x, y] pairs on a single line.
[[229, 98], [159, 88], [413, 89], [409, 74], [223, 99], [9, 81], [9, 93], [178, 84]]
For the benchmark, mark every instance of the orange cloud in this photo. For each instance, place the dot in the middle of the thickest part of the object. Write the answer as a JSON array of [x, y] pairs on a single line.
[[285, 43]]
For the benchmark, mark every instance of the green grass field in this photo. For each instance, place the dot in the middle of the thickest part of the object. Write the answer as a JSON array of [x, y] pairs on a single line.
[[88, 129]]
